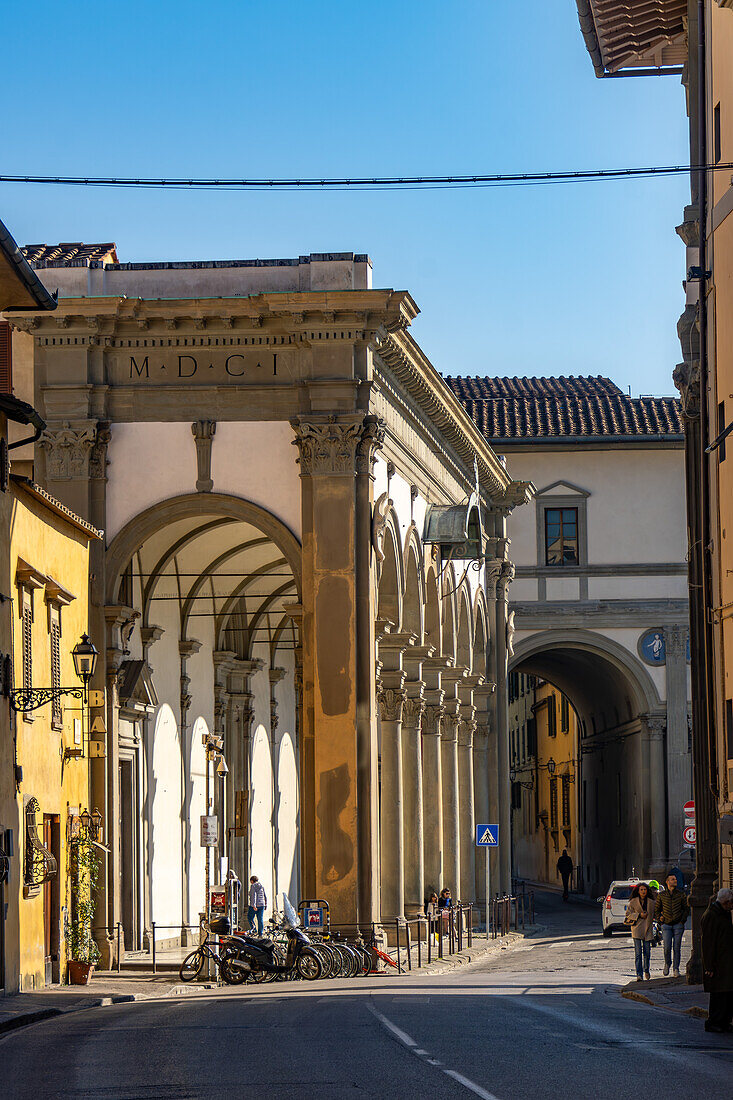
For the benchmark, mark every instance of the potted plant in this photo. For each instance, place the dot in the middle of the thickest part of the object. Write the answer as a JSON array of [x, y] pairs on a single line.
[[83, 953]]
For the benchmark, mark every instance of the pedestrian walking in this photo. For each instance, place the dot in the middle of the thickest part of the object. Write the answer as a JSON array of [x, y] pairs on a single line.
[[257, 906], [565, 870], [717, 961], [640, 918], [671, 911]]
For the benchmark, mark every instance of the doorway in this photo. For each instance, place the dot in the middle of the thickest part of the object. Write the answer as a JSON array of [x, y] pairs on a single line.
[[51, 904], [128, 853]]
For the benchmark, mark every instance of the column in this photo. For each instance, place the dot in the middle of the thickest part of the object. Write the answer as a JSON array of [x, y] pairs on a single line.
[[502, 729], [481, 801], [652, 734], [467, 819], [338, 745], [451, 824], [432, 791], [679, 760], [412, 772], [276, 675], [391, 701]]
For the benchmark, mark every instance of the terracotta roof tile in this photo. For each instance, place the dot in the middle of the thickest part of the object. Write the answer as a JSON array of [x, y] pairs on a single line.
[[506, 409], [73, 253]]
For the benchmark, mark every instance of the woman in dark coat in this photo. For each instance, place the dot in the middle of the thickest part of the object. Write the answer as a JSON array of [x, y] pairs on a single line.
[[717, 961]]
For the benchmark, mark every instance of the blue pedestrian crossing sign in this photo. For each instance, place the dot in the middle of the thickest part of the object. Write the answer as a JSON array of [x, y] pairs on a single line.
[[487, 836]]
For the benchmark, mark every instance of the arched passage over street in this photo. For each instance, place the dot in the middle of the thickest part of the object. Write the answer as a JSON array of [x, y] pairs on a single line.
[[616, 769]]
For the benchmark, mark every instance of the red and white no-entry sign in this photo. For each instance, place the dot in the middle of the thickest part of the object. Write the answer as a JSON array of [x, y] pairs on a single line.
[[689, 834], [689, 809]]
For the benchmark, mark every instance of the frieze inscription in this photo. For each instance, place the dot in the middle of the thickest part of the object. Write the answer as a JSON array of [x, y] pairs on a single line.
[[200, 366]]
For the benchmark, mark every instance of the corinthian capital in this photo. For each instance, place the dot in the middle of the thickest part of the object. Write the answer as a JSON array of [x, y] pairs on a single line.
[[68, 448], [391, 702], [337, 444]]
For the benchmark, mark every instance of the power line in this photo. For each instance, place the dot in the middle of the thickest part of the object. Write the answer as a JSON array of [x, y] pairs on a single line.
[[517, 179]]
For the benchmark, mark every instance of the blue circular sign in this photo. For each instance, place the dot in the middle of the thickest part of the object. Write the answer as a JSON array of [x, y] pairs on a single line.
[[652, 648]]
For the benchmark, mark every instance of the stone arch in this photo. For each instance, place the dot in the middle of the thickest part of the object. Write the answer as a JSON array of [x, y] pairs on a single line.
[[432, 611], [464, 633], [413, 604], [192, 506], [586, 666], [391, 577], [480, 635], [448, 617]]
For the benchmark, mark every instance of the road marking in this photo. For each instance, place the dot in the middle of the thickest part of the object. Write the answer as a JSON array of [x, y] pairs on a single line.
[[397, 1032], [470, 1085], [412, 1046]]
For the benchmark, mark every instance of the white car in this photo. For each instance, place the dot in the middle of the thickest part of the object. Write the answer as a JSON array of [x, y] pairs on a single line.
[[615, 903]]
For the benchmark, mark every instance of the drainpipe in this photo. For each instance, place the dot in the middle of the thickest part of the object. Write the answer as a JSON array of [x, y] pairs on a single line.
[[703, 746]]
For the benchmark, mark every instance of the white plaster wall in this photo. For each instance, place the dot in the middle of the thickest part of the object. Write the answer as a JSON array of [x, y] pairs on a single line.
[[525, 588], [287, 781], [563, 588], [639, 588], [257, 461], [636, 511], [147, 464], [261, 853], [399, 491], [166, 885], [151, 462]]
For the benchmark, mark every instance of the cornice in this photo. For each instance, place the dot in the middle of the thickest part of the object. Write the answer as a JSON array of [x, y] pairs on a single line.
[[400, 354]]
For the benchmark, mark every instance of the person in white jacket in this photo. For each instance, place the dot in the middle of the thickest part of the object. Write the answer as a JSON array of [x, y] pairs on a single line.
[[257, 906]]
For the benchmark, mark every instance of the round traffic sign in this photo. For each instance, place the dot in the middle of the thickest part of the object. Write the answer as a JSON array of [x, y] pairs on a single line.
[[689, 809], [689, 834]]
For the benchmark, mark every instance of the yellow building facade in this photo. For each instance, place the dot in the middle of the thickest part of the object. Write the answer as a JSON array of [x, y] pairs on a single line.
[[47, 750], [545, 774]]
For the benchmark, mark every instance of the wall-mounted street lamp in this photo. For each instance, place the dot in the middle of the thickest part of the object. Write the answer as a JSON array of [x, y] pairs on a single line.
[[85, 661], [528, 786], [92, 823]]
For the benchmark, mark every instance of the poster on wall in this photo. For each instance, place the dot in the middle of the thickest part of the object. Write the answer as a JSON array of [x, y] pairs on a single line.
[[209, 831]]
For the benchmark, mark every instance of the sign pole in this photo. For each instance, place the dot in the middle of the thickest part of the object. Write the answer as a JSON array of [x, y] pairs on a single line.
[[488, 890]]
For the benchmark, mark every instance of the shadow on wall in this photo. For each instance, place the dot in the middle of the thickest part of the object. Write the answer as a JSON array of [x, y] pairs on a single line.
[[337, 849]]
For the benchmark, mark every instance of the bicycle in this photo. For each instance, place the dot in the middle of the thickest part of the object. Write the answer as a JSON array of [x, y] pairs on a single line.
[[193, 964]]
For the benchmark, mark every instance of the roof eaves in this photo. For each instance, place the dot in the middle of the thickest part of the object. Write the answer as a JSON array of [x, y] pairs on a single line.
[[588, 28], [41, 494], [38, 296]]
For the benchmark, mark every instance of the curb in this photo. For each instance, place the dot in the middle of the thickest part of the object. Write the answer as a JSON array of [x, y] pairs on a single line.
[[696, 1011], [37, 1016], [477, 954]]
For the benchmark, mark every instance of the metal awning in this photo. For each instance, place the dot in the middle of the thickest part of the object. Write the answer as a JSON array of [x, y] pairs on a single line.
[[634, 34], [457, 529]]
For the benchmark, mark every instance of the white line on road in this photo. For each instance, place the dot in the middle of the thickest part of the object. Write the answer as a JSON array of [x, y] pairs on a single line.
[[470, 1085], [410, 1043]]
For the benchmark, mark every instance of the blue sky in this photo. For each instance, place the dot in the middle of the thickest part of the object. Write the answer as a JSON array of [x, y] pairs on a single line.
[[544, 280]]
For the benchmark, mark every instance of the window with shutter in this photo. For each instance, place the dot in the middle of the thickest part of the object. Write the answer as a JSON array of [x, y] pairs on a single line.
[[566, 801], [27, 628], [6, 358], [55, 637]]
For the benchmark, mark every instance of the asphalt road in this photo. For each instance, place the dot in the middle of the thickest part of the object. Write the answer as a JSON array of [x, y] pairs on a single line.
[[538, 1021]]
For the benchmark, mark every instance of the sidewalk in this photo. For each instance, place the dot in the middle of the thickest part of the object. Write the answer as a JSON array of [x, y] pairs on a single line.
[[671, 993], [20, 1009], [552, 888]]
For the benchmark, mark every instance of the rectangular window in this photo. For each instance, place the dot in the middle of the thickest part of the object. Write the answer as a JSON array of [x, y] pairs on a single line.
[[516, 796], [721, 429], [524, 742], [55, 639], [553, 803], [27, 643], [565, 802], [729, 726], [564, 714], [532, 736], [551, 717], [717, 144], [561, 536], [6, 358]]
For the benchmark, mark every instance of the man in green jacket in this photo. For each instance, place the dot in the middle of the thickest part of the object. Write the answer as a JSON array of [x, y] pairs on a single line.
[[672, 911], [717, 961]]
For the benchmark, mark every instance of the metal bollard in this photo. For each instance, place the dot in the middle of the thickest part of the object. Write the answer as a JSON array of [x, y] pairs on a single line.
[[419, 938], [154, 962], [119, 955], [470, 925], [409, 945], [397, 930], [430, 939], [440, 933]]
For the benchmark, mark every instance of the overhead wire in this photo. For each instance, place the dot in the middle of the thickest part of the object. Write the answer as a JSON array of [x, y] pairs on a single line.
[[370, 183]]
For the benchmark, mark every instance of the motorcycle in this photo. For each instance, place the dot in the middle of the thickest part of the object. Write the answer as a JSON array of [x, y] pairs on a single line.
[[247, 957]]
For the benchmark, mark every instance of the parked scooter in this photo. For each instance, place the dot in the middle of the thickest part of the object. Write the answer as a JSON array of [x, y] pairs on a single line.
[[245, 956]]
